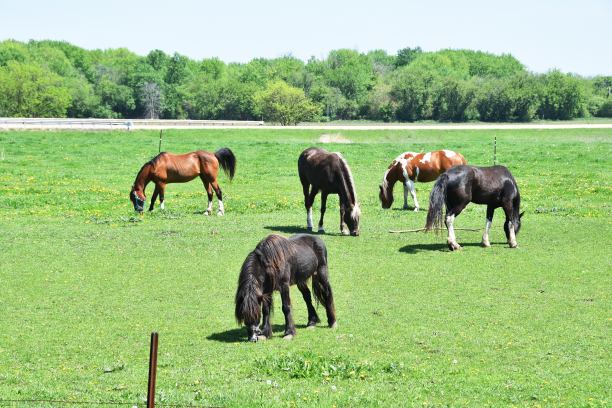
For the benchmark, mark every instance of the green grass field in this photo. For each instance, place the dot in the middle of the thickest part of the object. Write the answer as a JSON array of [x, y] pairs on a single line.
[[83, 281]]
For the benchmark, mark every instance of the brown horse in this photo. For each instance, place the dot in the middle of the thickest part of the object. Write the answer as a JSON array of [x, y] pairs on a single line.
[[410, 167], [180, 168]]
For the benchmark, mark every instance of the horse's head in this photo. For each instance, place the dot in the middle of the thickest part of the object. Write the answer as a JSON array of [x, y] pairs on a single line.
[[138, 199], [516, 224], [249, 297], [386, 198], [351, 218]]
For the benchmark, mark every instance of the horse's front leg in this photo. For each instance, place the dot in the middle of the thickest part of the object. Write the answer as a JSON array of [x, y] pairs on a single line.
[[266, 307], [485, 237], [308, 202], [154, 197], [323, 207], [343, 228], [289, 325]]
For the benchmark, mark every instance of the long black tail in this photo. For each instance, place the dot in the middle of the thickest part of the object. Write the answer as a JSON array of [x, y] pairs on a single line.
[[437, 199], [227, 160], [320, 280]]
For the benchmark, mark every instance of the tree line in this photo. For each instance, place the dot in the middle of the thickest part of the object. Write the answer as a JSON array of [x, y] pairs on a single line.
[[58, 79]]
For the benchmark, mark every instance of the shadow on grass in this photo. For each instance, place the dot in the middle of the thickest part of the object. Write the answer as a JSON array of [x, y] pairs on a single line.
[[441, 247], [290, 229], [239, 335]]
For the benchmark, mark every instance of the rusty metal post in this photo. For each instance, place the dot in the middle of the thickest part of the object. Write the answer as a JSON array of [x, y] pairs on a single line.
[[495, 151], [160, 139], [152, 371]]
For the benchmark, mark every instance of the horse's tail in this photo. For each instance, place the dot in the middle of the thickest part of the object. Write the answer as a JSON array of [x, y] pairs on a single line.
[[437, 198], [320, 284], [227, 160]]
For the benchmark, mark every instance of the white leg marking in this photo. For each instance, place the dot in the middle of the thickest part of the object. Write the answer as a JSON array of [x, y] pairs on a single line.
[[406, 188], [209, 208], [512, 240], [452, 241], [485, 236], [162, 206], [413, 193], [309, 219], [221, 208]]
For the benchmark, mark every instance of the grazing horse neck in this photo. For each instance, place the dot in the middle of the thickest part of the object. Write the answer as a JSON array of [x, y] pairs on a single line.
[[143, 178], [389, 179], [348, 196]]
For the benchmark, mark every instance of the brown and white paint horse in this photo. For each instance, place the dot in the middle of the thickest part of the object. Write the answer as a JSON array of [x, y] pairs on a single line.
[[410, 167], [180, 168]]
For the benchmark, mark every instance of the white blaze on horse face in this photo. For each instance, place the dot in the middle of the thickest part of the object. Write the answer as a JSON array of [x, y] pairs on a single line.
[[449, 153], [426, 158], [309, 218]]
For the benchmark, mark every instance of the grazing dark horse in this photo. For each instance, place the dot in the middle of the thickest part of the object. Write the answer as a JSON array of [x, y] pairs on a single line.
[[276, 263], [410, 167], [179, 168], [329, 173], [493, 186]]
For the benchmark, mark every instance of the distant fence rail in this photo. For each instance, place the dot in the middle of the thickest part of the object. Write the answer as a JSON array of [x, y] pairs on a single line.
[[121, 124]]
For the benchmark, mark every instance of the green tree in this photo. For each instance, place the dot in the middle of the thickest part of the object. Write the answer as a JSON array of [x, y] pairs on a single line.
[[287, 105], [30, 91], [562, 96]]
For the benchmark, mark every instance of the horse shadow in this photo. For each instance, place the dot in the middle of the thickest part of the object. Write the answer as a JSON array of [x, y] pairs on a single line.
[[292, 229], [239, 335], [415, 248]]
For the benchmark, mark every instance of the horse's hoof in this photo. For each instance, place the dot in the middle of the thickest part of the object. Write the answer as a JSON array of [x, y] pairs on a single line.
[[406, 207], [220, 214], [416, 209], [288, 337], [334, 325], [206, 212], [309, 229], [345, 233], [453, 246], [261, 337], [311, 326], [513, 245], [485, 244], [321, 230]]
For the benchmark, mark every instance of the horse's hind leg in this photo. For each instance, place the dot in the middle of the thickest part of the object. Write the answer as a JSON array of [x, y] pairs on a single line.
[[219, 194], [162, 193], [323, 291], [450, 221], [313, 318], [485, 236], [289, 325], [154, 197], [209, 193]]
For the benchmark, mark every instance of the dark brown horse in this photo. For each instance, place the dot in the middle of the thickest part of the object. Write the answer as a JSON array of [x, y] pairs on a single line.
[[493, 186], [410, 167], [329, 173], [275, 264], [179, 168]]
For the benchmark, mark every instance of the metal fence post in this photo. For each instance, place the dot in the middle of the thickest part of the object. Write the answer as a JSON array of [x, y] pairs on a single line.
[[152, 371]]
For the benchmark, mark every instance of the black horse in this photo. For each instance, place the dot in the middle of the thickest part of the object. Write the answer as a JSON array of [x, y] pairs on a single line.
[[276, 263], [493, 186], [329, 173]]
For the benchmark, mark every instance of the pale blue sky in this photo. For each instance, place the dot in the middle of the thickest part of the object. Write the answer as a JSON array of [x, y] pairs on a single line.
[[574, 36]]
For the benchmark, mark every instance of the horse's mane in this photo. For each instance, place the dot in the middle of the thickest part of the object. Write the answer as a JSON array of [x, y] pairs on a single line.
[[348, 178], [269, 256]]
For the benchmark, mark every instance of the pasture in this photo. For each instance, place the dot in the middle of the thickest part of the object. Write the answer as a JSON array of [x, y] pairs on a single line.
[[83, 280]]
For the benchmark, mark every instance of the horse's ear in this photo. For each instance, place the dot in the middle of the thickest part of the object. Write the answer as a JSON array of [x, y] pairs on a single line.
[[521, 215]]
